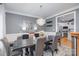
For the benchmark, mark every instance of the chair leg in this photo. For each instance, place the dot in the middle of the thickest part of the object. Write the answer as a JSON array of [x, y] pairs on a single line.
[[56, 50], [52, 53], [21, 54]]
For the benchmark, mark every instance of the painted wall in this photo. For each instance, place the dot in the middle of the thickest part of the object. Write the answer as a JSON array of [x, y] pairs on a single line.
[[14, 23], [2, 30], [2, 21]]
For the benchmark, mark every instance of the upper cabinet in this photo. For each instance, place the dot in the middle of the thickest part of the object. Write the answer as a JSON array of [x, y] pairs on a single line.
[[66, 20], [50, 25]]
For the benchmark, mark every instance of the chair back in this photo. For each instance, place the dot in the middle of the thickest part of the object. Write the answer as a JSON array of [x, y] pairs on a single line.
[[19, 39], [40, 46], [50, 37], [36, 35], [7, 46], [25, 36], [56, 38], [54, 43]]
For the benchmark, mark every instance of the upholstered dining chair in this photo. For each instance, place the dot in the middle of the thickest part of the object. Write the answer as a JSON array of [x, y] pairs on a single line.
[[36, 35], [8, 49], [39, 48], [26, 36], [54, 46], [48, 42]]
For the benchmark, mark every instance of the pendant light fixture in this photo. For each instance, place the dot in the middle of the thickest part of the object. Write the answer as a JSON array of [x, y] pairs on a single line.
[[40, 21]]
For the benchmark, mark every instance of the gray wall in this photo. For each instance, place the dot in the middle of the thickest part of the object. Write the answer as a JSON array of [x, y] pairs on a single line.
[[77, 20], [14, 22], [53, 28]]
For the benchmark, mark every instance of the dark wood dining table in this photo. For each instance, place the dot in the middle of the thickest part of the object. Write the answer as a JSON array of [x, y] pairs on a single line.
[[23, 43]]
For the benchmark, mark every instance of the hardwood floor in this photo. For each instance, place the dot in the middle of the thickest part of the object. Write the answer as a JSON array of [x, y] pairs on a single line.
[[66, 42]]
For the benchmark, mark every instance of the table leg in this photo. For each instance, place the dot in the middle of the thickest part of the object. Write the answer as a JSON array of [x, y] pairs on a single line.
[[23, 51]]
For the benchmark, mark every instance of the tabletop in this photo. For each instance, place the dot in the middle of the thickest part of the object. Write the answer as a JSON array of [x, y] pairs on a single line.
[[23, 43]]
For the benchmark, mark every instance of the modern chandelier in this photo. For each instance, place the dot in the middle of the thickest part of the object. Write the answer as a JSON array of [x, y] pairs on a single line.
[[40, 21]]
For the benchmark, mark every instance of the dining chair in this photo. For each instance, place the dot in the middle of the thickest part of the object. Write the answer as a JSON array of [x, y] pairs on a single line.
[[39, 48], [26, 36], [8, 49], [2, 49], [6, 45], [48, 42], [36, 35], [54, 46]]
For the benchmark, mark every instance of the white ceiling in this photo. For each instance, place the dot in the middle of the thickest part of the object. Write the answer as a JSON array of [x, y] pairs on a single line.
[[34, 9]]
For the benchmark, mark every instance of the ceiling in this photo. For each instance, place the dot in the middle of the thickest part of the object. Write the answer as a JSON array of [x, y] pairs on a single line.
[[34, 9]]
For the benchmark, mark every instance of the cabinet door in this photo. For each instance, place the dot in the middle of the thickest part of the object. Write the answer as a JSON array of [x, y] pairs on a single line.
[[66, 20]]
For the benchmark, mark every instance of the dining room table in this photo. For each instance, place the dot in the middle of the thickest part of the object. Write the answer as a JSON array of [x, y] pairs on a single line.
[[23, 43]]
